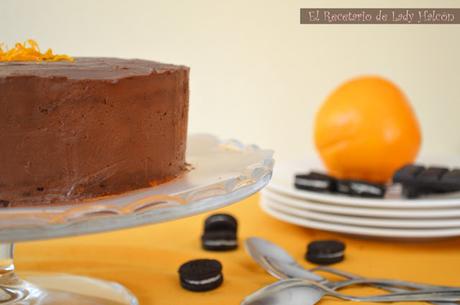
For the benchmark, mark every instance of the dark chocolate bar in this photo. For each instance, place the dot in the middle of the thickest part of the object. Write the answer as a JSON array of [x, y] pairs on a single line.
[[418, 180], [430, 176], [451, 180], [407, 173]]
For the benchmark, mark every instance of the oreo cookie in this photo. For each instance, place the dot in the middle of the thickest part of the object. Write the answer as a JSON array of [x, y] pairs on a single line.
[[201, 275], [315, 182], [361, 188], [220, 233], [325, 252]]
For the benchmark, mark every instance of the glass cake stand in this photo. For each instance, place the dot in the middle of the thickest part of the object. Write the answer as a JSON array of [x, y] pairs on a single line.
[[223, 172]]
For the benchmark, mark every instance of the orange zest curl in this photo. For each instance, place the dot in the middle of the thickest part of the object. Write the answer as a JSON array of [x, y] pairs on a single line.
[[29, 51]]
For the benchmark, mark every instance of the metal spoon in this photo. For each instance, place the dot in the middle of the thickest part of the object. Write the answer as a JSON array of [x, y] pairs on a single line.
[[280, 264], [304, 292]]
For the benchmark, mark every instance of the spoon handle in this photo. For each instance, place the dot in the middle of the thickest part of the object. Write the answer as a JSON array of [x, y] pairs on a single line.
[[387, 284], [443, 294], [433, 295], [392, 287]]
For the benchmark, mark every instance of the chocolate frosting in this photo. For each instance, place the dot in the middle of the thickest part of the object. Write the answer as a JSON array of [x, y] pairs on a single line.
[[87, 68], [89, 128]]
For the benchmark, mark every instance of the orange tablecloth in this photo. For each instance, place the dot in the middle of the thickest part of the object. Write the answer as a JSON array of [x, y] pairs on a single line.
[[146, 259]]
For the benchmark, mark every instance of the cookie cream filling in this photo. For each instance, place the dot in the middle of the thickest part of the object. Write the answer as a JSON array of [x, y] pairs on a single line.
[[331, 255], [220, 242], [313, 183], [362, 188], [204, 282]]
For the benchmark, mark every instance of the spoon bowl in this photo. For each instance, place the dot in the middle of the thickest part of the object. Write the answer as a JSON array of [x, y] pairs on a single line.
[[292, 293], [269, 255]]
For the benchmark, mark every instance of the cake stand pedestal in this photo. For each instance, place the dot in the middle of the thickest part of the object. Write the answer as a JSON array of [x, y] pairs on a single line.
[[223, 172]]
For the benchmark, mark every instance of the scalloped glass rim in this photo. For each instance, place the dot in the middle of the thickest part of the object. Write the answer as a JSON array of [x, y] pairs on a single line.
[[223, 172]]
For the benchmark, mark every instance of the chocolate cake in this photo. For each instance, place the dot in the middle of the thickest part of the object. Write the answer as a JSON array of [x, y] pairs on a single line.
[[70, 131]]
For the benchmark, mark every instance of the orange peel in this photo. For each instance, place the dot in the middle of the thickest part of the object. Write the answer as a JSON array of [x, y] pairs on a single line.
[[29, 51]]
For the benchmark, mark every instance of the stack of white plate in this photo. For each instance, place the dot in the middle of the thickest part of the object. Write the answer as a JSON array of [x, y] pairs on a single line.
[[391, 217]]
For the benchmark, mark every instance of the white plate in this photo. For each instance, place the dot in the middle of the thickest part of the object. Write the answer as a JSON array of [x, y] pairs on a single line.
[[362, 211], [294, 218], [283, 182], [303, 210]]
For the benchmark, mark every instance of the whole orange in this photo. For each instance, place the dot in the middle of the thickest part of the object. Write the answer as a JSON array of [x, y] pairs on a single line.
[[366, 130]]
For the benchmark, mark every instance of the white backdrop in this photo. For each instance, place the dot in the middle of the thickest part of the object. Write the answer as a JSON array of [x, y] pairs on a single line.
[[257, 74]]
